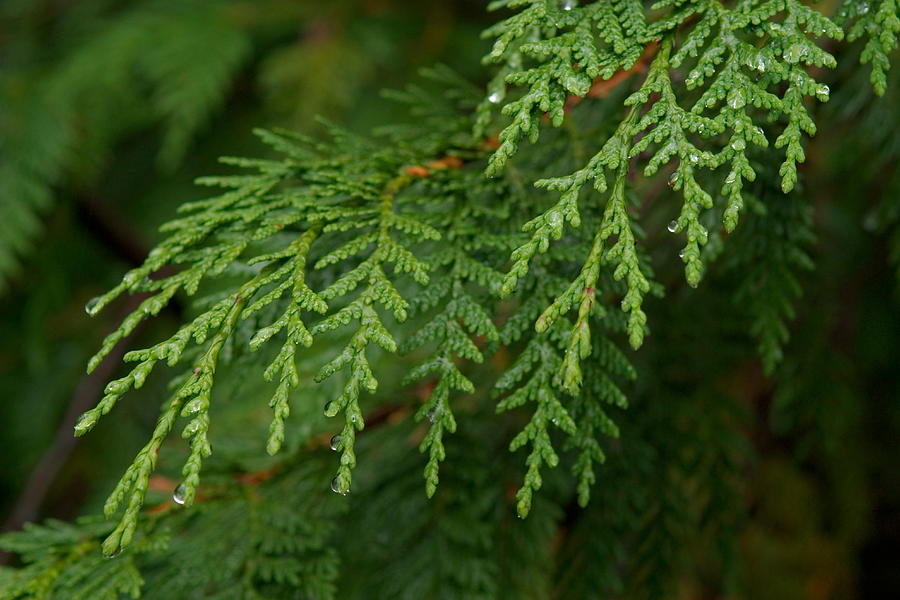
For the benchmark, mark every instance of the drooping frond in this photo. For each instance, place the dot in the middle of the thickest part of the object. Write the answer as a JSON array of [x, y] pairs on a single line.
[[746, 67], [878, 23]]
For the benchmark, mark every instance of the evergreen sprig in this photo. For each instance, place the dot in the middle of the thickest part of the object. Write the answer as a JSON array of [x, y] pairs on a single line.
[[345, 203], [463, 290], [277, 543], [768, 257], [362, 249], [737, 61], [878, 23]]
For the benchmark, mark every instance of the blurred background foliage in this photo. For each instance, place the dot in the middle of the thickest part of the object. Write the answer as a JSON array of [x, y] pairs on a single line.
[[110, 109]]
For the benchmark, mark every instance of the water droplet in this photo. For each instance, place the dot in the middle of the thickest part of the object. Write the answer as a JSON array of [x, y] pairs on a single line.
[[555, 221], [822, 93], [681, 253], [732, 177], [114, 554], [338, 488], [673, 179], [863, 8], [759, 132], [794, 53], [328, 409], [568, 4], [673, 226], [760, 63], [84, 423], [494, 98], [335, 441], [91, 306], [694, 158], [736, 99], [432, 415], [180, 494], [738, 144], [191, 430]]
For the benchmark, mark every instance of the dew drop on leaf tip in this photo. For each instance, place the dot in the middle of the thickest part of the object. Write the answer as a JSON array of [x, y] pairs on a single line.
[[91, 306], [337, 488], [180, 494]]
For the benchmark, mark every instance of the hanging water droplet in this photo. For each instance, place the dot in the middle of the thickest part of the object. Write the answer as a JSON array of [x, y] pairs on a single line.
[[568, 4], [91, 306], [328, 408], [432, 415], [494, 98], [673, 179], [823, 92], [114, 554], [180, 494], [673, 226], [335, 441], [694, 158], [863, 8], [84, 423], [338, 488], [681, 253], [759, 132], [738, 144]]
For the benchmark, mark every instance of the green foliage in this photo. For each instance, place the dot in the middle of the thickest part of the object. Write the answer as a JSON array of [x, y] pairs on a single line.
[[356, 203], [880, 27], [768, 256], [732, 59], [440, 285], [117, 77], [277, 545], [63, 559]]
